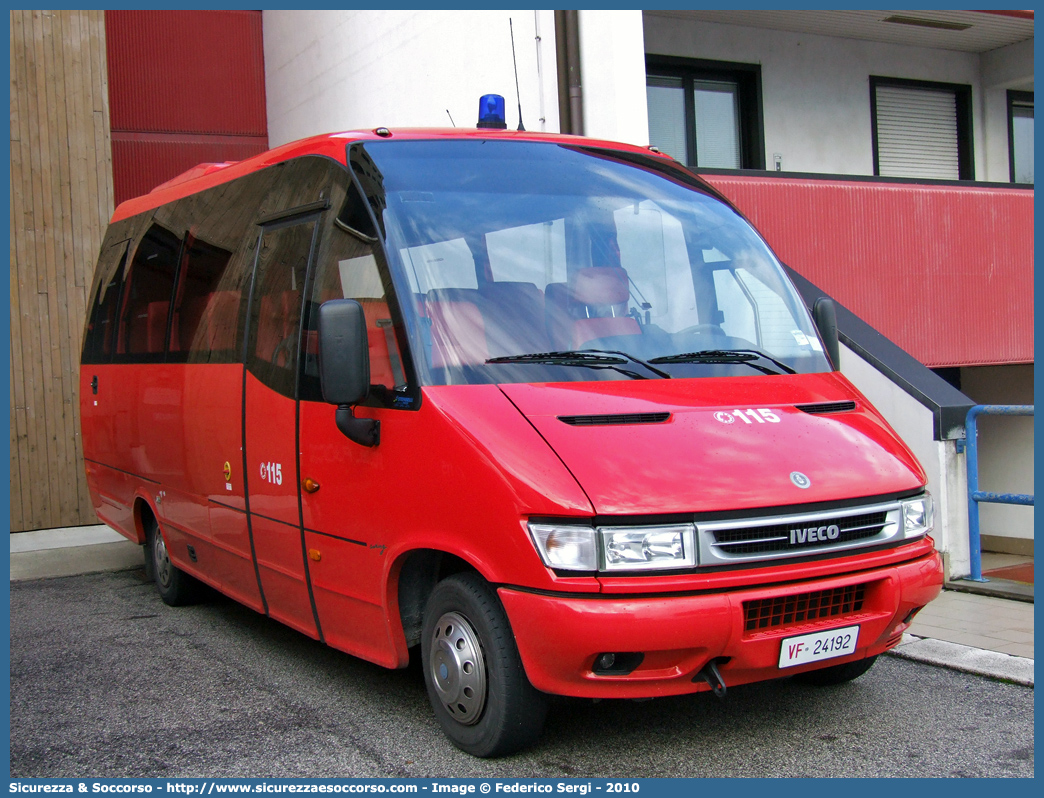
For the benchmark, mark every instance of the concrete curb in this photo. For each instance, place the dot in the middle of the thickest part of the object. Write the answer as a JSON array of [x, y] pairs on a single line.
[[981, 662]]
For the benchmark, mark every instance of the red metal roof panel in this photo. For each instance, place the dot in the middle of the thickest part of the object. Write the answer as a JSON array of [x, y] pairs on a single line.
[[944, 271], [186, 72]]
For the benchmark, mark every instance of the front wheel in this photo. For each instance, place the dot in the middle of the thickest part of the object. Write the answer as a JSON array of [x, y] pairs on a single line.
[[475, 679], [837, 674]]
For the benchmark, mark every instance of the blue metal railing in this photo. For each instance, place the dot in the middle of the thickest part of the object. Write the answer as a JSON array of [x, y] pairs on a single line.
[[971, 444]]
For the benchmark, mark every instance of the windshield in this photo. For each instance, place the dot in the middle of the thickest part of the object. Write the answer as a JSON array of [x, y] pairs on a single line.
[[532, 262]]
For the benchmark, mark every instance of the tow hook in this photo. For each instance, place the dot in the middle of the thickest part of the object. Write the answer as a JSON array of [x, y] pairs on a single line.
[[712, 676]]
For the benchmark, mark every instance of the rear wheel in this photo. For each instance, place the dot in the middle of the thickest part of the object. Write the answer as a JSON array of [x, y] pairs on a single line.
[[175, 587], [475, 680], [837, 674]]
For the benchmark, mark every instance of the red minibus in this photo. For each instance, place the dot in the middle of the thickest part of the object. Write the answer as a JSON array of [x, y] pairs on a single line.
[[544, 411]]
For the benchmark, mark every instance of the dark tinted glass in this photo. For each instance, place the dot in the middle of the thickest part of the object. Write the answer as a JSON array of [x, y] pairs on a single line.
[[97, 344], [149, 283], [275, 315]]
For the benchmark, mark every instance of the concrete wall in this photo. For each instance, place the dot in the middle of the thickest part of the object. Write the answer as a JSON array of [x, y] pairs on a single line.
[[816, 91], [1005, 454], [327, 71], [947, 481], [612, 68]]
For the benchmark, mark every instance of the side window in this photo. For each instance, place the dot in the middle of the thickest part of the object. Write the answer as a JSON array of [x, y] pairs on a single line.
[[444, 264], [780, 331], [347, 269], [737, 308], [275, 314], [149, 283], [532, 253], [97, 341], [208, 306]]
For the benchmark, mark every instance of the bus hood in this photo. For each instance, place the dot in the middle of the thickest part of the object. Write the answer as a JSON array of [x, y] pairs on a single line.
[[681, 446]]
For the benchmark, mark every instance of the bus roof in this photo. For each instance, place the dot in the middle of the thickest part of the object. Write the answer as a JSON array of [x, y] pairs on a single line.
[[333, 145]]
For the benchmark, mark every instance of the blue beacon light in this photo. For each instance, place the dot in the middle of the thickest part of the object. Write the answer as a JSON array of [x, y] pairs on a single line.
[[491, 112]]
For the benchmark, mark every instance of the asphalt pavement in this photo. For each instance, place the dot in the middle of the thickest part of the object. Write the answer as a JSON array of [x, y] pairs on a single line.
[[108, 681]]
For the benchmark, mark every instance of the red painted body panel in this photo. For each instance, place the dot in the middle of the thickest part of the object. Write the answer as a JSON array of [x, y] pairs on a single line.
[[559, 637], [274, 514], [944, 271], [695, 463], [460, 476]]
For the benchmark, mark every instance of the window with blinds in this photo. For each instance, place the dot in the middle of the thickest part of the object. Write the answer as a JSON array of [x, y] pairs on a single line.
[[921, 130]]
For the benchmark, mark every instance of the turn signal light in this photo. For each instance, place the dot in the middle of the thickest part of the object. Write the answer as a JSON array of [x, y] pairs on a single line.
[[315, 554], [310, 485]]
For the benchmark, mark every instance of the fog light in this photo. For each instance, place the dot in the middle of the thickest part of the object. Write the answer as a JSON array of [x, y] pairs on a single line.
[[617, 663]]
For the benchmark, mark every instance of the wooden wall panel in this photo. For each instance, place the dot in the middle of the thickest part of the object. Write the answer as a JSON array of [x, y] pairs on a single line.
[[61, 200]]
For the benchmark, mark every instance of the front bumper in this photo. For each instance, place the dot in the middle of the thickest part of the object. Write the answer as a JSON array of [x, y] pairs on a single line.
[[560, 636]]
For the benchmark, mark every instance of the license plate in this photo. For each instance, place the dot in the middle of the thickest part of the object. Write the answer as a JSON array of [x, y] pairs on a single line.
[[818, 646]]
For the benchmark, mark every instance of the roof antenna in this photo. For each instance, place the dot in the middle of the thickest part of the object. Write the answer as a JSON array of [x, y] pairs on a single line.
[[515, 64], [451, 118]]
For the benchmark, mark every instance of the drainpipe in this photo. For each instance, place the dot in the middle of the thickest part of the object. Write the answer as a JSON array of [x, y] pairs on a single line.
[[570, 91]]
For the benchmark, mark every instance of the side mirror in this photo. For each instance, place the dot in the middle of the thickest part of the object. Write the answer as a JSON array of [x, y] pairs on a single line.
[[825, 317], [344, 367]]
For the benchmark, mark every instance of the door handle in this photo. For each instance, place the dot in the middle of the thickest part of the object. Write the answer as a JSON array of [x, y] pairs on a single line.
[[94, 384]]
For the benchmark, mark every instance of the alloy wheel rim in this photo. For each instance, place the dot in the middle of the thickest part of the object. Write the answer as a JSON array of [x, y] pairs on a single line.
[[458, 668]]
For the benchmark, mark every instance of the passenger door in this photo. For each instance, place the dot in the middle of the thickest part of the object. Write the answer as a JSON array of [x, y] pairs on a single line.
[[270, 417]]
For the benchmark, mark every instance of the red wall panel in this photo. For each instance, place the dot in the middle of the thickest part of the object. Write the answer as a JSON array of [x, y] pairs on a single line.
[[946, 272], [140, 162], [186, 72], [185, 87]]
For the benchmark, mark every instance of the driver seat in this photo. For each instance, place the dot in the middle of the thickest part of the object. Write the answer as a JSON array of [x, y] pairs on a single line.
[[599, 304]]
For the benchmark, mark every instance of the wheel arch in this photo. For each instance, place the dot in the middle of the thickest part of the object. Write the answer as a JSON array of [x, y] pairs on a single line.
[[142, 513], [412, 578]]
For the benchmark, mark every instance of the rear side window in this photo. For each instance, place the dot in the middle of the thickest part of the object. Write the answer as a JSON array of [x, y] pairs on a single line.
[[97, 341], [208, 303], [220, 234], [148, 286]]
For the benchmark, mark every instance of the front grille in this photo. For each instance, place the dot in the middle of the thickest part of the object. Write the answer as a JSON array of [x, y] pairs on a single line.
[[827, 407], [773, 613], [777, 537], [612, 420]]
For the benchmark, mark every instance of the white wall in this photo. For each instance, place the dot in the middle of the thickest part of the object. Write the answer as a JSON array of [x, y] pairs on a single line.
[[612, 71], [328, 71], [816, 89], [947, 481], [1005, 446], [1005, 68]]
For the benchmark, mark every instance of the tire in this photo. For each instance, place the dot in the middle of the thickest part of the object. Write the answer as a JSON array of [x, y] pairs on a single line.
[[837, 674], [175, 587], [475, 679]]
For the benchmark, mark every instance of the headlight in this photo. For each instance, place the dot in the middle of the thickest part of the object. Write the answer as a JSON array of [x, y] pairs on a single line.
[[571, 548], [641, 548], [638, 548], [918, 516]]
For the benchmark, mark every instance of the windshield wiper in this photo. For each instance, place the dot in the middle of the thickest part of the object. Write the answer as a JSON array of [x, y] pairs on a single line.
[[745, 356], [588, 358]]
